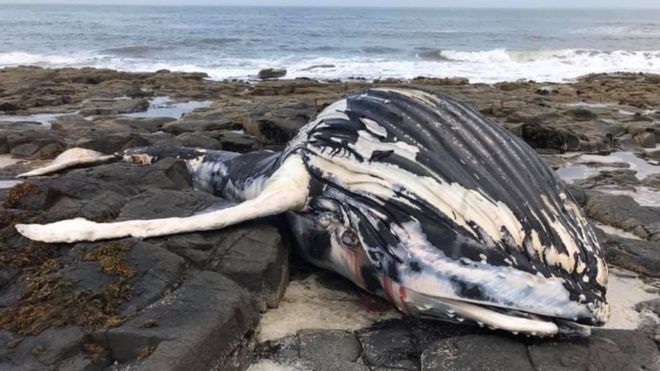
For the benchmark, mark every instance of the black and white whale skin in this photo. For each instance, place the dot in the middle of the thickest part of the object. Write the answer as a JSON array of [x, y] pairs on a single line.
[[414, 197]]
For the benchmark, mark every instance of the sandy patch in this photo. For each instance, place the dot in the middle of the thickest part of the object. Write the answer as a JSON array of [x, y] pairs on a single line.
[[309, 305], [624, 291], [268, 365]]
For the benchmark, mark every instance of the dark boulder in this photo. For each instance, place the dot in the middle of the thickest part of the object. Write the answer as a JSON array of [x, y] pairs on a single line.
[[271, 73], [623, 212]]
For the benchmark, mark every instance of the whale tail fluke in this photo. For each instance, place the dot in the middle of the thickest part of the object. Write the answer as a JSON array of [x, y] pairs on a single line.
[[74, 157]]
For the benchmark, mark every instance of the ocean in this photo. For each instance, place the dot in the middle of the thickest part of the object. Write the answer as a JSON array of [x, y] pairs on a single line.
[[483, 45]]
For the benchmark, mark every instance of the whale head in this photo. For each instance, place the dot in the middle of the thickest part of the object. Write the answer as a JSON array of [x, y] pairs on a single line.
[[424, 201]]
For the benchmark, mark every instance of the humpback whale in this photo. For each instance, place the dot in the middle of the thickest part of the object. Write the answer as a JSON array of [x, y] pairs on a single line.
[[411, 195]]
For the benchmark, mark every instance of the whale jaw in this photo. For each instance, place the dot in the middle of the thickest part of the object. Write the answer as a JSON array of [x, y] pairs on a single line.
[[423, 306]]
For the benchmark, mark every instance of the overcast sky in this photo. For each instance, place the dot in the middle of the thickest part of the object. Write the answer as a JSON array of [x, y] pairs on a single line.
[[416, 3]]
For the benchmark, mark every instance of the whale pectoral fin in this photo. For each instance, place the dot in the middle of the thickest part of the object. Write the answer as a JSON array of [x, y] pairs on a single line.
[[286, 190], [68, 159]]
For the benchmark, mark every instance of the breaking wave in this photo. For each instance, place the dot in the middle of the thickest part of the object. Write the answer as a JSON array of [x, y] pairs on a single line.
[[487, 66]]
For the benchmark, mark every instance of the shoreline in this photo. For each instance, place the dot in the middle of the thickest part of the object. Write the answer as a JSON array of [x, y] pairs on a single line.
[[487, 65]]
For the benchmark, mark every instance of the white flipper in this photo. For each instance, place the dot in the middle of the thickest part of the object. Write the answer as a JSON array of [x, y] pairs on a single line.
[[68, 159], [425, 305], [286, 190], [536, 327]]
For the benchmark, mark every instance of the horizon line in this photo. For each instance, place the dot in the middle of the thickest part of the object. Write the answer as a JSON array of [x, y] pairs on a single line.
[[337, 6]]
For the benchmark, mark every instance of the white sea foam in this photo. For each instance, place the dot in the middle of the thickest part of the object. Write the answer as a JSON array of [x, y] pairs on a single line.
[[488, 66]]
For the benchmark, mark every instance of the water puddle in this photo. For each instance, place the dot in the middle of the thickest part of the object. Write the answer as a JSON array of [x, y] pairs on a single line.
[[8, 183], [616, 231], [630, 113], [166, 107], [644, 196], [588, 105], [158, 107], [586, 166], [641, 166], [572, 173], [43, 118]]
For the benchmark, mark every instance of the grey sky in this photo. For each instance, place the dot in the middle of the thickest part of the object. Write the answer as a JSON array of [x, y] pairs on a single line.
[[416, 3]]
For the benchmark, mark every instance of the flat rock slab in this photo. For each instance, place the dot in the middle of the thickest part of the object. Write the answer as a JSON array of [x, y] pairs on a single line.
[[417, 345], [183, 302], [623, 212], [301, 335], [206, 323]]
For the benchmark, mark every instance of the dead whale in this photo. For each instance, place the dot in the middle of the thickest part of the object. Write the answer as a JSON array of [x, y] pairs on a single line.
[[411, 195]]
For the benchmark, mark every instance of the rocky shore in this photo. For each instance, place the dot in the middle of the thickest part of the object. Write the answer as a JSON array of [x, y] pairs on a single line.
[[238, 298]]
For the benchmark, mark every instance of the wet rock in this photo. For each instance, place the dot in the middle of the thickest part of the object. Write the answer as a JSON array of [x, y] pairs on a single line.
[[253, 255], [282, 125], [639, 127], [510, 86], [86, 275], [44, 352], [636, 255], [207, 320], [603, 350], [256, 258], [111, 141], [9, 105], [515, 129], [646, 140], [197, 140], [32, 144], [271, 73], [544, 137], [141, 124], [194, 123], [610, 178], [476, 352], [68, 123], [31, 151], [179, 299], [130, 105], [325, 347], [326, 350], [448, 81], [402, 344], [545, 90], [581, 114], [157, 270], [560, 356], [237, 142], [652, 181], [138, 92], [651, 305], [623, 212], [391, 346], [97, 111], [20, 124]]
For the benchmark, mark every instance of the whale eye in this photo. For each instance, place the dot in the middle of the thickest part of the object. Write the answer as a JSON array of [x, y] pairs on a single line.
[[349, 238]]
